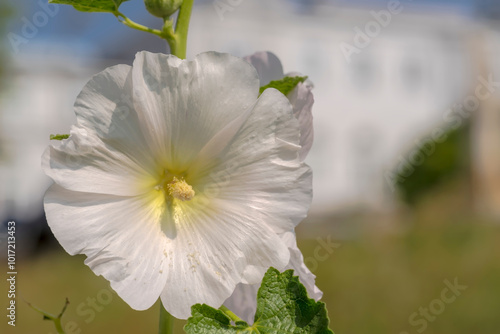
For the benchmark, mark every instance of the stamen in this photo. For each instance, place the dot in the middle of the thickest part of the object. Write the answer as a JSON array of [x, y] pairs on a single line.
[[180, 189]]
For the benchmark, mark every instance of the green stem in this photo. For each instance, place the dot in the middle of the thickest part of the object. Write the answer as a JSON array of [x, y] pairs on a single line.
[[170, 36], [58, 324], [129, 23], [177, 40], [53, 318], [181, 29], [230, 314], [166, 321]]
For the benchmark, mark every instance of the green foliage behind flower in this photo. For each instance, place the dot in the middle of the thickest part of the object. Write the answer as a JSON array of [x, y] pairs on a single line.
[[5, 14], [447, 160]]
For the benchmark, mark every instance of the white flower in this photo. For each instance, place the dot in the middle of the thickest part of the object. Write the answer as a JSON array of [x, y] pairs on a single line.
[[243, 300], [177, 180]]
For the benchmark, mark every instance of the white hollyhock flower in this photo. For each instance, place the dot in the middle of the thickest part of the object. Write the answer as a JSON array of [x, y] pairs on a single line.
[[178, 180], [243, 301]]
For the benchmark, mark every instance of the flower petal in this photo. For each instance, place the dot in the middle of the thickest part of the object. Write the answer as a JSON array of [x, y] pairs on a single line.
[[260, 168], [106, 152], [243, 301], [85, 163], [297, 264], [268, 66], [105, 107], [120, 236], [211, 153], [212, 247], [302, 100], [183, 104]]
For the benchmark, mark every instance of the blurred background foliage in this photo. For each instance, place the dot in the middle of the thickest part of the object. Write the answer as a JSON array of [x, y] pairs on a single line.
[[442, 162], [6, 13]]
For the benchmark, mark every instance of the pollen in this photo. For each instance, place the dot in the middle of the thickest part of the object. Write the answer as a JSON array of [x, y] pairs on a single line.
[[180, 189]]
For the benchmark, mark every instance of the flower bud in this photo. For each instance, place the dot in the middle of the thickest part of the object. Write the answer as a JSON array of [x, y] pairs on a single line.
[[162, 8]]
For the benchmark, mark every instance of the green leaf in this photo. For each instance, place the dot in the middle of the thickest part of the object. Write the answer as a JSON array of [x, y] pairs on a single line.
[[58, 137], [283, 307], [206, 319], [285, 85], [92, 5]]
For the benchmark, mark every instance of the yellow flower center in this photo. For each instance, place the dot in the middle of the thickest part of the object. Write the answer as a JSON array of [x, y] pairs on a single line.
[[180, 189]]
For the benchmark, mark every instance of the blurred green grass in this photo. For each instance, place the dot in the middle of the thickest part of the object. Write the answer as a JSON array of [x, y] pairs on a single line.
[[371, 283]]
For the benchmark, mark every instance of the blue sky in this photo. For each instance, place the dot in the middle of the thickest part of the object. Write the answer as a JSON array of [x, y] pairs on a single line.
[[90, 32]]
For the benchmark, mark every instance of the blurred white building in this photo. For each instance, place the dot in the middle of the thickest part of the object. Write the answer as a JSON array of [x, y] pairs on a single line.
[[37, 103], [369, 106]]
